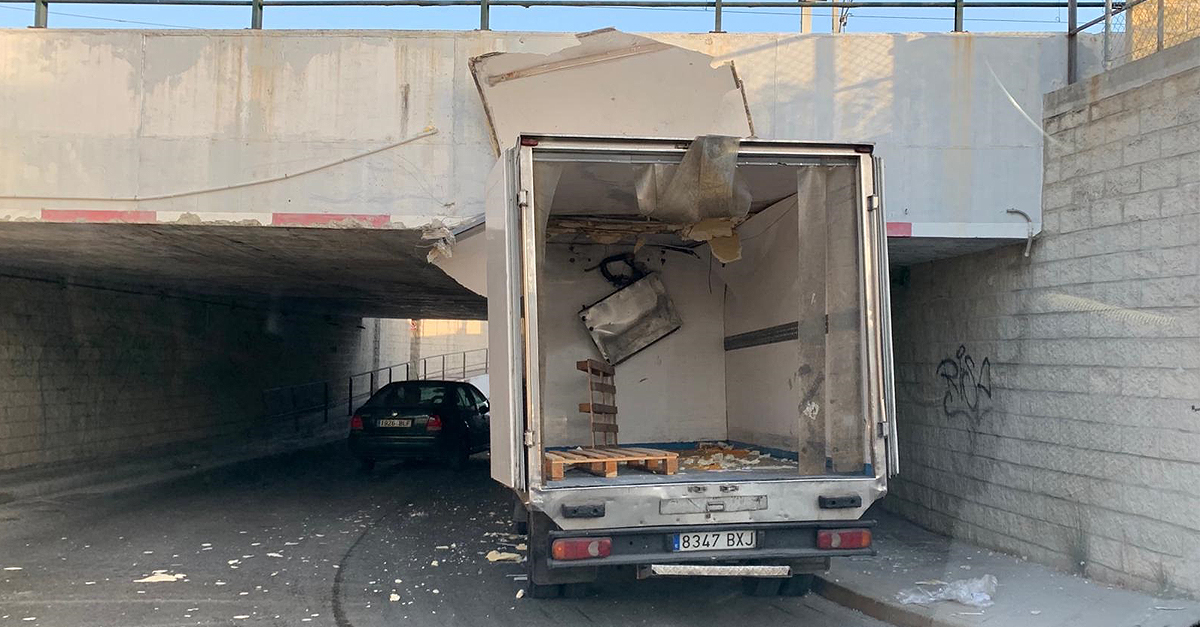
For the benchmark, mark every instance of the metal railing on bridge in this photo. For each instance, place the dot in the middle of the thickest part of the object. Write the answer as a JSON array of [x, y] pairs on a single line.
[[320, 398], [1158, 23], [837, 8]]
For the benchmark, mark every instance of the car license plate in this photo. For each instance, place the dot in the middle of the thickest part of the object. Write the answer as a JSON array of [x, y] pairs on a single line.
[[713, 541], [392, 422]]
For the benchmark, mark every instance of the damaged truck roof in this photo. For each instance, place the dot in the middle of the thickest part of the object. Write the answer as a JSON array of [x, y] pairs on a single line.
[[612, 84]]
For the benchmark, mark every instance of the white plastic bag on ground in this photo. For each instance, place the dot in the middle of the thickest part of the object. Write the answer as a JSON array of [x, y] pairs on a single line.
[[974, 592]]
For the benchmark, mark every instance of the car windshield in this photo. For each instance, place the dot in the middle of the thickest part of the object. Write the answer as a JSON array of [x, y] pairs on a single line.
[[410, 395]]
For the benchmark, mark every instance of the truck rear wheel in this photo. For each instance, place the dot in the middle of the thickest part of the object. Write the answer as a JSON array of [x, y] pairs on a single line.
[[796, 585], [574, 590], [761, 586], [541, 591]]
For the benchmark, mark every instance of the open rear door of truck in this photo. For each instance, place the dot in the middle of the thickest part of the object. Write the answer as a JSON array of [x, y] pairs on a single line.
[[506, 337]]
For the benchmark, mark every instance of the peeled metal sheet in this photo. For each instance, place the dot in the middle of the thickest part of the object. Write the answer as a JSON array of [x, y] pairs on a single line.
[[630, 319]]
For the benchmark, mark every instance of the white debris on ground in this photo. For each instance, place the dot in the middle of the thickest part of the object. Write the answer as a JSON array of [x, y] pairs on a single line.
[[393, 597], [502, 556], [161, 576], [12, 568], [973, 592], [520, 593], [720, 456]]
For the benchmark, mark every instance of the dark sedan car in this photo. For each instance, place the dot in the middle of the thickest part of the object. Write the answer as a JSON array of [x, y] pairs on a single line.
[[443, 419]]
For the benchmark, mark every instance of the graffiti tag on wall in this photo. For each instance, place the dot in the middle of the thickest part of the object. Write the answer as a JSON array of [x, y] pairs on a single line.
[[968, 385]]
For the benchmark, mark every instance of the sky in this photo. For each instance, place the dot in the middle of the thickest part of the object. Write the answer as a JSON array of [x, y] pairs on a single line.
[[567, 19]]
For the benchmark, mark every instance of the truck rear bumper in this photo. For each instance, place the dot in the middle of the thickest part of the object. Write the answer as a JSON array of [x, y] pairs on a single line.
[[779, 542]]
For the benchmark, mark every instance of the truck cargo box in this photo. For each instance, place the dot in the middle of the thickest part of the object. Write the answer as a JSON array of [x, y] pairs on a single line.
[[689, 332]]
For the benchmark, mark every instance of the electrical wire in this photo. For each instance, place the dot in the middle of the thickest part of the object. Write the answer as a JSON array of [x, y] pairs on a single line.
[[426, 133], [102, 19]]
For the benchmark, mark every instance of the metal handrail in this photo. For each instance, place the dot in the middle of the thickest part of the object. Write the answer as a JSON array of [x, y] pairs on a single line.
[[329, 389], [41, 7]]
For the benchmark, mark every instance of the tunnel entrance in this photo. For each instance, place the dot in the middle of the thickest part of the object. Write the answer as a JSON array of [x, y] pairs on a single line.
[[125, 340]]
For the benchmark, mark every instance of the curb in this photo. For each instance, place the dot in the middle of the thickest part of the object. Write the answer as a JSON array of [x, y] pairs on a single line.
[[886, 611]]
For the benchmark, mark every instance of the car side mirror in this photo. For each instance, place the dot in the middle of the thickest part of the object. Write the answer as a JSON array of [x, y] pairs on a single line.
[[483, 409]]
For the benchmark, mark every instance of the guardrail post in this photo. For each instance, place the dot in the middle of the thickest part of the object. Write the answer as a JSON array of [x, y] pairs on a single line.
[[390, 374], [717, 17], [372, 382], [325, 395], [484, 15], [1161, 11], [350, 396], [464, 356], [1072, 40], [256, 10], [958, 16], [41, 10]]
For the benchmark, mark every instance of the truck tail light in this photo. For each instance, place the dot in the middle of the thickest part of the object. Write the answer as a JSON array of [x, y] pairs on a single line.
[[434, 424], [581, 548], [843, 538], [356, 423]]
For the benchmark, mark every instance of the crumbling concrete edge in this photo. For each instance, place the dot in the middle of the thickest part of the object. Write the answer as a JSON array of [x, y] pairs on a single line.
[[876, 607]]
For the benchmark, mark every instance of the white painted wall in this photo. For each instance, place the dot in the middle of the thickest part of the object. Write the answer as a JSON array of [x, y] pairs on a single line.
[[673, 391], [100, 114]]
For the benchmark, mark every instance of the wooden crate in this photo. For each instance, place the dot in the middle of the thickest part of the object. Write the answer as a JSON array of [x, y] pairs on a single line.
[[602, 461]]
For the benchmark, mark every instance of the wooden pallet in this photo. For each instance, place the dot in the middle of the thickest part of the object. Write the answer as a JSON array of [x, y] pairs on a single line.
[[602, 461]]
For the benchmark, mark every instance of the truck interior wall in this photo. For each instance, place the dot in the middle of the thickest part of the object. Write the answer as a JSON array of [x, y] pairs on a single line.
[[673, 391], [761, 292], [845, 404], [794, 394]]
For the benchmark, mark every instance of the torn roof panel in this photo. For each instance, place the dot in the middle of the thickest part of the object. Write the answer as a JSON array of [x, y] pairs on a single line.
[[612, 84]]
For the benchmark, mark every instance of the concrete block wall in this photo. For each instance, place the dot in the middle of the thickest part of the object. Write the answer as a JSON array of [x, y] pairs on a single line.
[[90, 373], [1048, 406]]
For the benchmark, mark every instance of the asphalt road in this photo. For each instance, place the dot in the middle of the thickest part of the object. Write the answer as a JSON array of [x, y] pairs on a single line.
[[308, 540]]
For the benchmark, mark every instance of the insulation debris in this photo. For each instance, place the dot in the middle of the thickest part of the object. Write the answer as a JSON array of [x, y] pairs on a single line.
[[721, 456], [502, 556], [161, 576]]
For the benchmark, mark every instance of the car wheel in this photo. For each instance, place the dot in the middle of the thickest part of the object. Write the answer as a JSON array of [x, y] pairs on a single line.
[[520, 525], [796, 586], [539, 591], [760, 586], [367, 465]]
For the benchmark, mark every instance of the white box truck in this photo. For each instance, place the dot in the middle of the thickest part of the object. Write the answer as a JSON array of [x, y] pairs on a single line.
[[758, 368]]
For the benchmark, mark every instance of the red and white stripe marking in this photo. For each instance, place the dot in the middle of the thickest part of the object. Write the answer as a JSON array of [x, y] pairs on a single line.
[[363, 220]]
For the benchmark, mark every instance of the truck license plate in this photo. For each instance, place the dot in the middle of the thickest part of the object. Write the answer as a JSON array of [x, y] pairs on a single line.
[[713, 541], [391, 422]]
